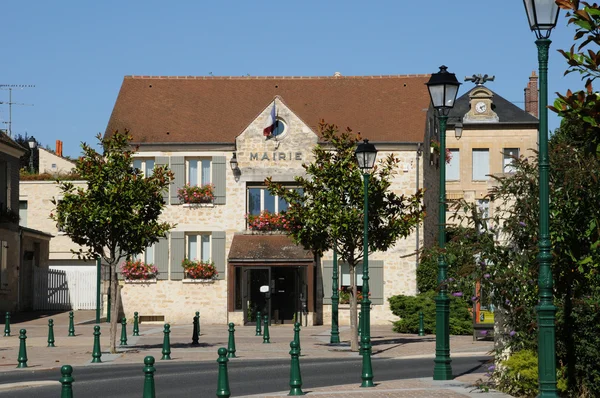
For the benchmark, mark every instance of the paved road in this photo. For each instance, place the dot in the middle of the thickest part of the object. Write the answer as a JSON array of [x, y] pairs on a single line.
[[198, 379]]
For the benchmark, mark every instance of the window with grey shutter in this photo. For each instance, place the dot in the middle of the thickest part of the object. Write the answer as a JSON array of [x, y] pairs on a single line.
[[218, 253], [163, 161], [177, 254], [161, 258], [178, 168], [219, 169], [376, 281], [327, 275]]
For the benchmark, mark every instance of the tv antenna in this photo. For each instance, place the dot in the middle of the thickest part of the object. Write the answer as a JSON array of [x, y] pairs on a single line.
[[10, 103]]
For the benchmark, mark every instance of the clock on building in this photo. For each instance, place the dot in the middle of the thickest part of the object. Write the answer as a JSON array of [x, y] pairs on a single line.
[[480, 107]]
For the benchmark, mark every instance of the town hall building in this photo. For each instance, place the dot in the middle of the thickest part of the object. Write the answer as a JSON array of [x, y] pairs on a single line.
[[210, 130]]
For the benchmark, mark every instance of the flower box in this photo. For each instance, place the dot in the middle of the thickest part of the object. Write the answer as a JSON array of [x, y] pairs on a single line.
[[140, 281], [199, 270], [268, 222], [198, 281], [196, 194], [138, 271]]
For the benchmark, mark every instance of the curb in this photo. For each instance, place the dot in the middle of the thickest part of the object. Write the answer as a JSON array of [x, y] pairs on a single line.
[[28, 384]]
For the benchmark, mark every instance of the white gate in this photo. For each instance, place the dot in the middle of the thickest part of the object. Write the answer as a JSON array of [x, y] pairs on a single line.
[[60, 288]]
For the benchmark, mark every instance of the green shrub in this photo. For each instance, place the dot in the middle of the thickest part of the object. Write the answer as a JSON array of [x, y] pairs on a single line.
[[519, 376], [408, 307]]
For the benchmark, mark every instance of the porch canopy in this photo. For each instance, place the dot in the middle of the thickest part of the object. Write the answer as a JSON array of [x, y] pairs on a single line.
[[273, 250]]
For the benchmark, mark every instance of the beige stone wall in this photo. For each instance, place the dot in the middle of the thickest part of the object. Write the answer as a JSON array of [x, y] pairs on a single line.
[[493, 139], [50, 163], [38, 195], [177, 301]]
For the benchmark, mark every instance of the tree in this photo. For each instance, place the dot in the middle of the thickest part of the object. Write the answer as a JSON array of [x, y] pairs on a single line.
[[328, 212], [583, 105], [117, 215]]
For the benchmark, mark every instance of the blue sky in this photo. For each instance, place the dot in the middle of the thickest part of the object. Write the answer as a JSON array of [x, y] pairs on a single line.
[[77, 52]]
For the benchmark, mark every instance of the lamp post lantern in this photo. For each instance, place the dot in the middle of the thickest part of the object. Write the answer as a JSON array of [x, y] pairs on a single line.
[[542, 16], [366, 154], [32, 145], [443, 87]]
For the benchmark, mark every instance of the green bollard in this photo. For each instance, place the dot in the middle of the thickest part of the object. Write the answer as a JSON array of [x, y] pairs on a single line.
[[297, 336], [195, 331], [166, 350], [51, 333], [149, 369], [258, 323], [198, 315], [223, 379], [7, 324], [22, 349], [136, 325], [421, 327], [96, 353], [266, 337], [71, 324], [123, 331], [231, 344], [295, 376], [67, 381]]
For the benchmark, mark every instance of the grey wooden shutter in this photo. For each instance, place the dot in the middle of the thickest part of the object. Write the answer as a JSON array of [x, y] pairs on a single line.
[[219, 178], [178, 168], [218, 252], [376, 281], [327, 275], [177, 254], [161, 258], [163, 161]]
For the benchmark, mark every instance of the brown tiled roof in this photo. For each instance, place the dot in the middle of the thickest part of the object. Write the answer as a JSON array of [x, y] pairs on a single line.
[[177, 109], [266, 247]]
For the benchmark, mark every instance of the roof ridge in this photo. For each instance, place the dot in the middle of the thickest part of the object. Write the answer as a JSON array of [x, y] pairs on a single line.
[[270, 77]]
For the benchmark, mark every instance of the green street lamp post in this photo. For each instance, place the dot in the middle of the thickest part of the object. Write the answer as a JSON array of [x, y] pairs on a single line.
[[32, 143], [366, 154], [335, 300], [542, 16], [443, 87]]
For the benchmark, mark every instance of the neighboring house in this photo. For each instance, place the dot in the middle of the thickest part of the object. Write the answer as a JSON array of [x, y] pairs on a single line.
[[35, 207], [494, 133], [53, 162], [22, 250], [197, 125]]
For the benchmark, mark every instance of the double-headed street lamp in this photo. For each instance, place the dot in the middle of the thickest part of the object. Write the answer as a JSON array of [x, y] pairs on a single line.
[[366, 154], [542, 16], [443, 87]]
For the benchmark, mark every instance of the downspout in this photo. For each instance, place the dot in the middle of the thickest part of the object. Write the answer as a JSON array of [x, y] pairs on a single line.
[[419, 153]]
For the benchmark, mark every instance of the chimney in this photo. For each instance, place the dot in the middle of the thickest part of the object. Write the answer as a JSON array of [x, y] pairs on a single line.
[[531, 96], [59, 148]]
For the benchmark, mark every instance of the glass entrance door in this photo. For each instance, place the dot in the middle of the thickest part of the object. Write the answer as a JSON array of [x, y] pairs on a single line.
[[254, 299]]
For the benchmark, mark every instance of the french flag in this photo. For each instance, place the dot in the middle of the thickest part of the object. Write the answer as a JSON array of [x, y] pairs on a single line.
[[270, 122]]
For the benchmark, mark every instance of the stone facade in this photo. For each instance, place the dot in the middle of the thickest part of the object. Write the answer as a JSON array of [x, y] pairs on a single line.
[[53, 164], [282, 158], [39, 195]]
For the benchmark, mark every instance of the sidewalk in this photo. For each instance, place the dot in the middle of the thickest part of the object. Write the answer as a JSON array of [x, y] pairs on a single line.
[[77, 351]]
